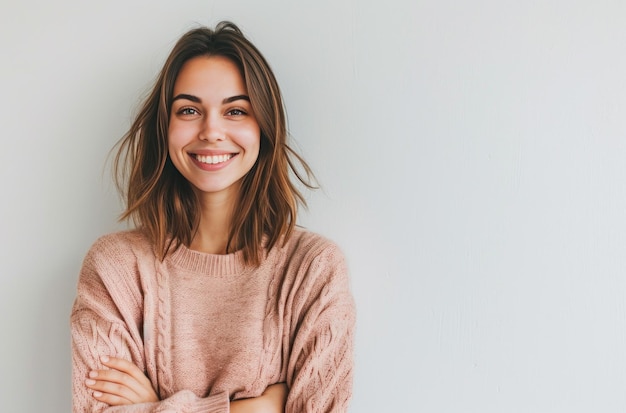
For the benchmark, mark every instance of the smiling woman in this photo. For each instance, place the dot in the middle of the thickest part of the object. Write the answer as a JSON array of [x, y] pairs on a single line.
[[216, 301]]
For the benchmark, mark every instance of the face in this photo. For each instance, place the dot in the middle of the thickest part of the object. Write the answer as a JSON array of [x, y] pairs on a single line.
[[213, 137]]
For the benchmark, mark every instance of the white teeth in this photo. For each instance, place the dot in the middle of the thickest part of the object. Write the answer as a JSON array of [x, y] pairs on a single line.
[[212, 160]]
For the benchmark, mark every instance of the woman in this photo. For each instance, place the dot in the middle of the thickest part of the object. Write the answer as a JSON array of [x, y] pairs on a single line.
[[216, 302]]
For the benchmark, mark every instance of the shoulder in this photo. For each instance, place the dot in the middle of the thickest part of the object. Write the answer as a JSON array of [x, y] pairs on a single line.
[[120, 243], [310, 246], [313, 261], [121, 249], [118, 267]]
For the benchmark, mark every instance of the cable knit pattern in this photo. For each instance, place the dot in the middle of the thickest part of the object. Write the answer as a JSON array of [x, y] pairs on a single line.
[[208, 329]]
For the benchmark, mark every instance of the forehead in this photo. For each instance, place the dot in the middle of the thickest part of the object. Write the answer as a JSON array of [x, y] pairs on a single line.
[[209, 74]]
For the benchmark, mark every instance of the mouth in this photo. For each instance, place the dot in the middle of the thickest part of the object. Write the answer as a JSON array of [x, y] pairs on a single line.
[[213, 159]]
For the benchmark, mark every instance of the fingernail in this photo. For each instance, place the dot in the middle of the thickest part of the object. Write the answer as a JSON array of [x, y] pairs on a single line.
[[104, 359], [93, 374], [97, 394], [90, 382]]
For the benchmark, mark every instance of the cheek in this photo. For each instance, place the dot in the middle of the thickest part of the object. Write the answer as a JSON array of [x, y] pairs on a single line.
[[175, 144], [177, 137], [252, 141]]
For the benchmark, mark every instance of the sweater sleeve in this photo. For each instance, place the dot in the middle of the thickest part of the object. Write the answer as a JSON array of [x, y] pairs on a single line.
[[107, 319], [320, 369]]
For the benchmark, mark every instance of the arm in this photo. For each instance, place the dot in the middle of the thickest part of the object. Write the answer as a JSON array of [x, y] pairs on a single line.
[[320, 369], [124, 384]]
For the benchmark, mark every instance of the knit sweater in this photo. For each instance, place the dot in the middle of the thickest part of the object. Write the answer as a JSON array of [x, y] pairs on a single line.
[[208, 329]]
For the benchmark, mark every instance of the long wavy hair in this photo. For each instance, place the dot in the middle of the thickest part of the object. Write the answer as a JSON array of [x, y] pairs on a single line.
[[162, 202]]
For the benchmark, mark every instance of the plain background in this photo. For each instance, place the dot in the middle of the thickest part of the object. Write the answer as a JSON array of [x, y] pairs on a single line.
[[472, 157]]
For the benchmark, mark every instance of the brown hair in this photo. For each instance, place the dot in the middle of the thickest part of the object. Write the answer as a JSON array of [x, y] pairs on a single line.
[[159, 198]]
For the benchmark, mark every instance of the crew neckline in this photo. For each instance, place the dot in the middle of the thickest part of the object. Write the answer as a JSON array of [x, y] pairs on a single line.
[[205, 263]]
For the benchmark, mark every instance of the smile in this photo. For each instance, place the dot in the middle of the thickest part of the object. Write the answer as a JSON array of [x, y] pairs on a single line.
[[213, 160]]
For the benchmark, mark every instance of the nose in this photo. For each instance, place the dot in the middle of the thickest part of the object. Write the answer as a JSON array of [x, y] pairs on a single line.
[[212, 129]]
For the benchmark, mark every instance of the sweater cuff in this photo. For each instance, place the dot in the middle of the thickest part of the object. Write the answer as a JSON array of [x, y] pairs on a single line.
[[217, 403]]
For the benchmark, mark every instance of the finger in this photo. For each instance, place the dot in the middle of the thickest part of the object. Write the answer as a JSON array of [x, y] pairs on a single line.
[[110, 399], [113, 376], [110, 391], [127, 373], [120, 384], [127, 367]]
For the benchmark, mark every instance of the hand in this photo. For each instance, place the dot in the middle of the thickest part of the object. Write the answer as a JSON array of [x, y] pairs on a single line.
[[271, 401], [122, 383]]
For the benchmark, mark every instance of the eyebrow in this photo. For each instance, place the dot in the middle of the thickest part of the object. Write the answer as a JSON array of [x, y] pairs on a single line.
[[236, 98], [196, 99]]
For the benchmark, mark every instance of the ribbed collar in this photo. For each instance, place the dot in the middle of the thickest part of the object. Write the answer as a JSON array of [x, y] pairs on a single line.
[[210, 264]]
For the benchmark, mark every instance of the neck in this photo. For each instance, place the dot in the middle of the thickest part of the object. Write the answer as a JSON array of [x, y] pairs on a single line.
[[215, 219]]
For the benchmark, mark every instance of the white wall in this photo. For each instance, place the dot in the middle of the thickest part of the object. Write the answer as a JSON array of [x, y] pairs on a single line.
[[472, 154]]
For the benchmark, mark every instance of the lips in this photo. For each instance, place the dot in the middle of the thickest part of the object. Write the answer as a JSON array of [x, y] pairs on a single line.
[[213, 159]]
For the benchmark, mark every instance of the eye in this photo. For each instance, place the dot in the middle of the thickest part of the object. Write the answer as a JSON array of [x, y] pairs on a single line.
[[236, 112], [187, 111]]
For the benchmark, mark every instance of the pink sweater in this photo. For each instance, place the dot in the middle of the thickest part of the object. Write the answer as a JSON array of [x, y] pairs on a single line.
[[208, 329]]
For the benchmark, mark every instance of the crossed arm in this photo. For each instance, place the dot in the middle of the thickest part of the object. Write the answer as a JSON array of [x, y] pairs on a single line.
[[123, 383], [107, 321]]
